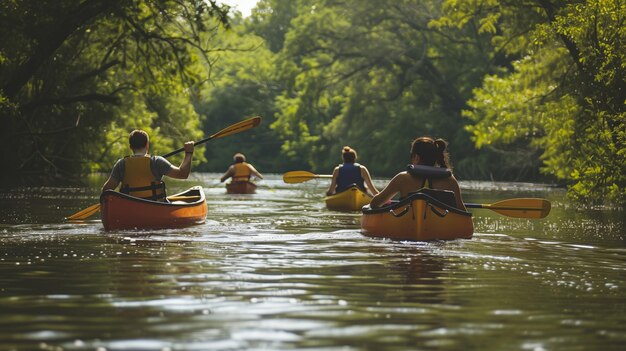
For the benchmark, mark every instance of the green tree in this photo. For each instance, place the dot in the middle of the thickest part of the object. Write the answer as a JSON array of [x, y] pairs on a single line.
[[243, 84], [271, 20], [376, 75], [565, 96], [77, 76]]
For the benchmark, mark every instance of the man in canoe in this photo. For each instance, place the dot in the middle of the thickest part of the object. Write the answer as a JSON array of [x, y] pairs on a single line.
[[350, 173], [140, 174], [240, 170], [429, 168]]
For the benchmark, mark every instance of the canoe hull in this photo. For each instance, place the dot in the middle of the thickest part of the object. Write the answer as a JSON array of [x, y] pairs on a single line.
[[419, 218], [121, 211], [240, 188], [351, 199]]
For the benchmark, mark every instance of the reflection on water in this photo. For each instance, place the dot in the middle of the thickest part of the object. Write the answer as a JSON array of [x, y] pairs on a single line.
[[277, 271]]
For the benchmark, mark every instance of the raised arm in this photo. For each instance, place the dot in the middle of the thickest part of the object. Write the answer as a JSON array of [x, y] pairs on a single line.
[[182, 171]]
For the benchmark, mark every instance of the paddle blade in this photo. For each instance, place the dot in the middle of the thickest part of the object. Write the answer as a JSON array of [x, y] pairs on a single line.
[[236, 128], [230, 130], [302, 176], [298, 176], [84, 214], [522, 208]]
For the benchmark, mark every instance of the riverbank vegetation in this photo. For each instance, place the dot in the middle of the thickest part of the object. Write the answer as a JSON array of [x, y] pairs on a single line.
[[530, 90]]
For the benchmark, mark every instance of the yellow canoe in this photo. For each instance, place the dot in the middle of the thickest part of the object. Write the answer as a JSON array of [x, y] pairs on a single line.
[[419, 217], [351, 199]]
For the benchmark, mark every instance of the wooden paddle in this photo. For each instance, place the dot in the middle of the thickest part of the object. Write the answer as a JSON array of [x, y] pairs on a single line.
[[84, 214], [233, 129], [302, 176], [518, 208]]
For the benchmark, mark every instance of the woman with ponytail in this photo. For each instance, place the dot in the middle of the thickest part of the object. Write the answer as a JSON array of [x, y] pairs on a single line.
[[429, 168], [350, 173]]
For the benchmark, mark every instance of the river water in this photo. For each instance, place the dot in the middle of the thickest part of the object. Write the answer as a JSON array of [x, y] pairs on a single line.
[[277, 271]]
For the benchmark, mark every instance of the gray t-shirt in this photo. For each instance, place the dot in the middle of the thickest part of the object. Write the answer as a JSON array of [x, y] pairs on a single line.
[[158, 165]]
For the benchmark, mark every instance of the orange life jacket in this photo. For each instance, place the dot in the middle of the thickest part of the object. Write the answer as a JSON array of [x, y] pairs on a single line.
[[242, 172], [139, 181]]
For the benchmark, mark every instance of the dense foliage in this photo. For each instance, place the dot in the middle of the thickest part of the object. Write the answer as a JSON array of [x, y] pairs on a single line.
[[565, 96], [77, 76], [523, 90]]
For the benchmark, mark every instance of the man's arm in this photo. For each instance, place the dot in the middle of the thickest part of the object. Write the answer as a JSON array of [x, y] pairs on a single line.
[[182, 171], [114, 178], [110, 184], [229, 173], [254, 172]]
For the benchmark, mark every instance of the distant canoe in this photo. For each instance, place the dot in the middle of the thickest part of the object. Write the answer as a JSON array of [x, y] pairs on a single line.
[[240, 188], [351, 199], [122, 211], [418, 217]]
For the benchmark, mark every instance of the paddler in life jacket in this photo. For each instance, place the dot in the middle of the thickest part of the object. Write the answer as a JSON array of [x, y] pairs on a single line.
[[240, 170], [429, 168], [350, 173], [140, 174]]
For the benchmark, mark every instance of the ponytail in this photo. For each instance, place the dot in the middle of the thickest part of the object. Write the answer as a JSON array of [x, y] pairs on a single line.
[[431, 152], [443, 158]]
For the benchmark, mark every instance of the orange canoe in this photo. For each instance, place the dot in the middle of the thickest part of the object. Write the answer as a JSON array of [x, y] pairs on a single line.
[[419, 217], [121, 211], [240, 188]]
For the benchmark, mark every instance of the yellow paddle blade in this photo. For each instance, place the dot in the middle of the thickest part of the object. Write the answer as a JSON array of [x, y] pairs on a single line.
[[522, 207], [230, 130], [237, 127], [297, 176], [302, 176], [84, 214]]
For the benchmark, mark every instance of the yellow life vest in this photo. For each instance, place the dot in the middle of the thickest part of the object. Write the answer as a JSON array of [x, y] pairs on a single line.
[[242, 172], [139, 181]]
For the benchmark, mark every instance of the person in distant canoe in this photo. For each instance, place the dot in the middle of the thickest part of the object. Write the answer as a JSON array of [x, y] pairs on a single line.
[[240, 170], [140, 174], [350, 173], [429, 168]]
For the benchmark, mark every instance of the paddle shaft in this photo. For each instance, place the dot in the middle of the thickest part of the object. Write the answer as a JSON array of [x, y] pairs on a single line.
[[311, 177], [183, 148], [492, 207], [518, 208]]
